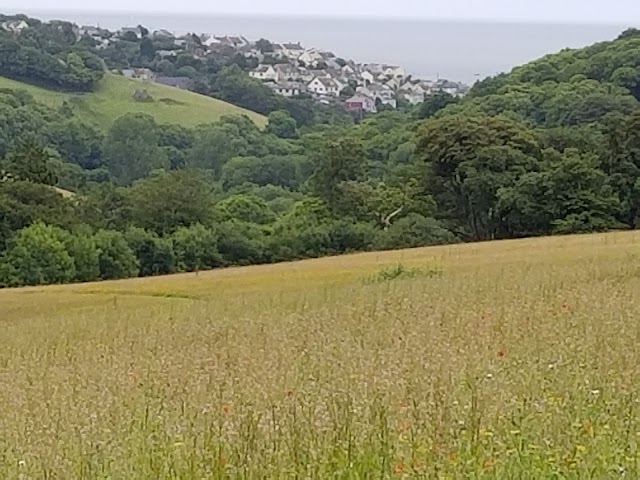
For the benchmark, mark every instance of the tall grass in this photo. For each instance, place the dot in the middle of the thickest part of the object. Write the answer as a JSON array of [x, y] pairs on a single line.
[[520, 361]]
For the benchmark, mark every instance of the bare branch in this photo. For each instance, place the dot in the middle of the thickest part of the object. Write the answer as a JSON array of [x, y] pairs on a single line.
[[387, 220]]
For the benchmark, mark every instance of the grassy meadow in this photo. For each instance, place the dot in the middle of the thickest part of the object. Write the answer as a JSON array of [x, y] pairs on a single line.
[[515, 359], [113, 99]]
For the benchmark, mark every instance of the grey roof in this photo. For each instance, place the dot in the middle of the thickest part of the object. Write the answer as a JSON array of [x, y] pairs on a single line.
[[292, 46], [180, 82], [290, 85], [359, 98], [327, 82], [262, 68]]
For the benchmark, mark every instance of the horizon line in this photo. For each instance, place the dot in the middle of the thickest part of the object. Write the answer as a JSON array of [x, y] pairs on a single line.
[[310, 16]]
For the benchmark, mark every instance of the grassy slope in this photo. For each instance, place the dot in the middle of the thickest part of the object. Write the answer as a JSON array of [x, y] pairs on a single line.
[[114, 99], [522, 357]]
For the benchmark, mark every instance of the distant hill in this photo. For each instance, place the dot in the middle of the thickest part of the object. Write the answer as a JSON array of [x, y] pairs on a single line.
[[114, 98], [571, 88]]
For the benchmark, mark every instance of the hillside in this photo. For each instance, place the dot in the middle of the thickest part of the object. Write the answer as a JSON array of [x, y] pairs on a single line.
[[517, 357], [574, 87], [114, 99]]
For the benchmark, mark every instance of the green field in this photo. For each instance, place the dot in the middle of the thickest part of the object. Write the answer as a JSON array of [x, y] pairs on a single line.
[[114, 99], [514, 359]]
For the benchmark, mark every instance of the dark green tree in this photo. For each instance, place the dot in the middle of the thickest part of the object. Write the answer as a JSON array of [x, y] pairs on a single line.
[[196, 248], [282, 125], [336, 162], [116, 259], [132, 149], [155, 255], [469, 158], [37, 256], [28, 160], [167, 201]]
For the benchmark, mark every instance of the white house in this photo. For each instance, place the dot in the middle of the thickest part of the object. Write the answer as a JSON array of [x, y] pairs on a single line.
[[374, 68], [235, 42], [209, 41], [139, 73], [163, 34], [380, 93], [288, 89], [15, 26], [394, 71], [367, 77], [412, 96], [293, 51], [89, 31], [103, 43], [166, 53], [393, 83], [287, 72], [135, 30], [311, 56], [452, 88], [348, 70], [264, 72], [324, 86]]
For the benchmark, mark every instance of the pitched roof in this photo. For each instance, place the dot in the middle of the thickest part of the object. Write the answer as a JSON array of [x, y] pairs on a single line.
[[288, 85], [292, 46], [262, 68], [359, 98], [327, 82]]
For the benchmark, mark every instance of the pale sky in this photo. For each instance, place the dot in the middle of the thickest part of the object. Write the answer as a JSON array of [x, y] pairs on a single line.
[[570, 11]]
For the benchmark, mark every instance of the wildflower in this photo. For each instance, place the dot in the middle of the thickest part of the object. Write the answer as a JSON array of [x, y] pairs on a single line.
[[586, 426], [453, 456], [178, 444], [418, 465], [501, 353], [595, 393], [226, 408], [566, 307], [489, 376], [486, 315], [132, 377], [290, 393], [222, 461], [398, 468], [403, 427], [580, 448], [22, 463], [489, 463]]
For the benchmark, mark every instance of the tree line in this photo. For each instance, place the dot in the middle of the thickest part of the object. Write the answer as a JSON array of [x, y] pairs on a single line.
[[48, 55], [551, 148]]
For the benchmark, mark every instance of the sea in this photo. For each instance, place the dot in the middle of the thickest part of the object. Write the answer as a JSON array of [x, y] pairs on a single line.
[[463, 51]]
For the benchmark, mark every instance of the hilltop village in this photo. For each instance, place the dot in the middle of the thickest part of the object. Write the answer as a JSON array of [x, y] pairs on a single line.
[[289, 69]]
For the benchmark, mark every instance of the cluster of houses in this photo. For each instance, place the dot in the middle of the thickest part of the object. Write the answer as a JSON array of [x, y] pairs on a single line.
[[14, 26], [327, 79], [289, 69]]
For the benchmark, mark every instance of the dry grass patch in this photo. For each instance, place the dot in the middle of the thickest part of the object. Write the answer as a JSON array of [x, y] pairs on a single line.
[[519, 360]]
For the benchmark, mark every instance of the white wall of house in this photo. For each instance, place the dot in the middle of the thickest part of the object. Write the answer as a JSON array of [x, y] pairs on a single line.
[[288, 92], [317, 87], [367, 76], [264, 74], [413, 97]]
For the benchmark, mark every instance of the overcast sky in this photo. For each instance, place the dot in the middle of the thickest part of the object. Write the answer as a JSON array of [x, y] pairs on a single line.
[[591, 11]]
